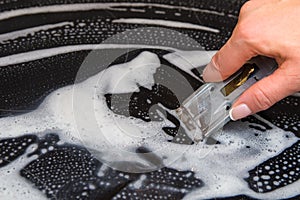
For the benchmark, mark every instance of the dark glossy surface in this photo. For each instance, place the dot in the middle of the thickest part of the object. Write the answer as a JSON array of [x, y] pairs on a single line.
[[67, 171]]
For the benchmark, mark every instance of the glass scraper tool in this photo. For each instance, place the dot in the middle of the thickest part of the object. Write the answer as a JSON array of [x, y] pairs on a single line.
[[207, 109]]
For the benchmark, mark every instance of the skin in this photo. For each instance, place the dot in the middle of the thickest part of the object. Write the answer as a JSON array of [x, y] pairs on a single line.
[[265, 27]]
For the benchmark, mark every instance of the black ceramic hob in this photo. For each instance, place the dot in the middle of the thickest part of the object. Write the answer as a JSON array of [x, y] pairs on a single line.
[[43, 44]]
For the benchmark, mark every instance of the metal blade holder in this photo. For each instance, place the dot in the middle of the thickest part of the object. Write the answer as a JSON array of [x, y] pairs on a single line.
[[207, 109]]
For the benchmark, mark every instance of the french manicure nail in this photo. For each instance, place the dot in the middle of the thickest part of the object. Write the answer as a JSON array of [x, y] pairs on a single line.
[[211, 74], [239, 112]]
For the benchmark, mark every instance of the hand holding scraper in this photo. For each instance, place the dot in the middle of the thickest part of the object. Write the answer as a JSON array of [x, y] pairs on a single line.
[[267, 28]]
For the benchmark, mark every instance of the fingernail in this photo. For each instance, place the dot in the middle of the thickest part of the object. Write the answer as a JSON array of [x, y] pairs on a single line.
[[211, 74], [239, 112]]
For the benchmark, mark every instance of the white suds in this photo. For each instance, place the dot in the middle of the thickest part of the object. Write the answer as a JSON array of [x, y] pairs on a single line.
[[80, 115], [46, 53], [165, 23], [95, 6], [127, 77], [188, 60], [24, 32]]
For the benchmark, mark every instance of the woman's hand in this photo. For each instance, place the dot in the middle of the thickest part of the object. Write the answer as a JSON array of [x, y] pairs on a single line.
[[265, 27]]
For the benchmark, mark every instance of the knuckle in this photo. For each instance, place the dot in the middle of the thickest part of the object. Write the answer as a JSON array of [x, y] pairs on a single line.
[[246, 6], [244, 31], [294, 83], [292, 78], [261, 100], [246, 25]]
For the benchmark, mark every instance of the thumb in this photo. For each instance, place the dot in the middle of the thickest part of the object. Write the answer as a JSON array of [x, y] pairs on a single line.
[[232, 56], [264, 94]]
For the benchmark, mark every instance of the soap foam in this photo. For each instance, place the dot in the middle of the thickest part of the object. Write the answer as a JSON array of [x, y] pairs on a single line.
[[12, 186], [127, 77], [79, 114], [96, 6], [165, 23], [188, 60]]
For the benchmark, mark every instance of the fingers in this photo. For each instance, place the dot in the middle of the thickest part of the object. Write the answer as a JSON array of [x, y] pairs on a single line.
[[265, 93], [235, 53], [227, 60]]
